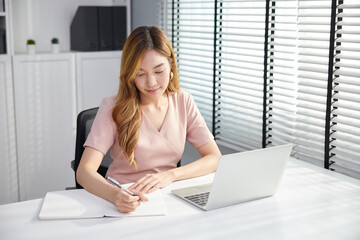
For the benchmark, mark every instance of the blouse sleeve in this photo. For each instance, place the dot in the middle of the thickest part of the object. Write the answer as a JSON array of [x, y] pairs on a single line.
[[103, 131], [197, 132]]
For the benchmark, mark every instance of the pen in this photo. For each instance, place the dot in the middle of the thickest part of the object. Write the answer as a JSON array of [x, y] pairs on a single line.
[[115, 183]]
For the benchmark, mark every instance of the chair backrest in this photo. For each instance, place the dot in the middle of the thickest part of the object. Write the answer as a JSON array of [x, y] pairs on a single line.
[[85, 120]]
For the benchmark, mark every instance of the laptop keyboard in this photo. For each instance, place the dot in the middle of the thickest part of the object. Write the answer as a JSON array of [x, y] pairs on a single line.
[[199, 198]]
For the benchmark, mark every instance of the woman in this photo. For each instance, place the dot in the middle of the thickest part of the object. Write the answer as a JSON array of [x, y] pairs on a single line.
[[146, 126]]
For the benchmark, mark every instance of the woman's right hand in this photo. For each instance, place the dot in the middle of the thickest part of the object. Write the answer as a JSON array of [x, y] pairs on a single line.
[[93, 182], [126, 203]]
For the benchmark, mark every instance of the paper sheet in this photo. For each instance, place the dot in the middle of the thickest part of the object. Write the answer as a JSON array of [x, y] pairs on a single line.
[[79, 203]]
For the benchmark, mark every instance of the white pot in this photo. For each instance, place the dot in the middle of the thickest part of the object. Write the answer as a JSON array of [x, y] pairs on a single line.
[[31, 48], [55, 48]]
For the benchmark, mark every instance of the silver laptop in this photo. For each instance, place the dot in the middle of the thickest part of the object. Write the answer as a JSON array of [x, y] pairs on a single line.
[[240, 177]]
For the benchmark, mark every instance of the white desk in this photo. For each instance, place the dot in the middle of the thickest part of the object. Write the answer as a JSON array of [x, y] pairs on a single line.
[[312, 203]]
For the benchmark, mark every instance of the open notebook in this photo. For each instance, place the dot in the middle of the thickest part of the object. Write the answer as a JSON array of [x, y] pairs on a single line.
[[79, 203]]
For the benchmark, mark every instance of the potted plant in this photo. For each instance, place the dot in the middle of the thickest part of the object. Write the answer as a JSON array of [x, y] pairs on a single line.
[[55, 47], [31, 46]]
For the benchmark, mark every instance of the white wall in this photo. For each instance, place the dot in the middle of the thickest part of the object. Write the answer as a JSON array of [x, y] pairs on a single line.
[[144, 13]]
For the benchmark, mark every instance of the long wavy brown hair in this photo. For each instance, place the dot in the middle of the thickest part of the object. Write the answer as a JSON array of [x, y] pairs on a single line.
[[127, 112]]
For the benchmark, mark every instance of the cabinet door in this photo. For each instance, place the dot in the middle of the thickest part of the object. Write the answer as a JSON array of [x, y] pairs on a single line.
[[8, 169], [98, 76], [45, 120]]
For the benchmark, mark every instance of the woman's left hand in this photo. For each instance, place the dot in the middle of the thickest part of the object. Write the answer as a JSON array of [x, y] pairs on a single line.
[[151, 182]]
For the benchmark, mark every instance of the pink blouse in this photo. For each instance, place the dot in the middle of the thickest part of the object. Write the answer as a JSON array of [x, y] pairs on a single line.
[[156, 151]]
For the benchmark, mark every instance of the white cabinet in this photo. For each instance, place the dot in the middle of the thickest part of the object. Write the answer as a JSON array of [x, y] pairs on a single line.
[[45, 100], [50, 90], [97, 77], [8, 169]]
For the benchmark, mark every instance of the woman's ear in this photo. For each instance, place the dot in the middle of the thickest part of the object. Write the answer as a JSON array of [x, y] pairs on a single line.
[[171, 75]]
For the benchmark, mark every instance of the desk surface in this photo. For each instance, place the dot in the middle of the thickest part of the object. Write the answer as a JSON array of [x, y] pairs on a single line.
[[311, 203]]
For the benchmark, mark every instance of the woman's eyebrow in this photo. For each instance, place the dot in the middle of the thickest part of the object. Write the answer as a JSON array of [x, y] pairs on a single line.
[[159, 65]]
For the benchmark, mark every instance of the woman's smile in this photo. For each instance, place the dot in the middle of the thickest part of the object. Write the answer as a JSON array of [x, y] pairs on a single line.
[[153, 91]]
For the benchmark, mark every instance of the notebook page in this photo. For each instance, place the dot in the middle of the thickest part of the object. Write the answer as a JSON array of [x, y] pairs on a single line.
[[70, 204], [154, 207], [79, 203]]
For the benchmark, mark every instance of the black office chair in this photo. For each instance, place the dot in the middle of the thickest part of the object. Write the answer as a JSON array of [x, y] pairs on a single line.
[[85, 120]]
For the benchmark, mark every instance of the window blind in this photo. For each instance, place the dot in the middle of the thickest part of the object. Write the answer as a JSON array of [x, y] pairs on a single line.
[[192, 33], [345, 115], [239, 73], [298, 76], [268, 72], [282, 73], [313, 48]]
